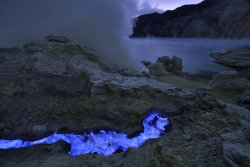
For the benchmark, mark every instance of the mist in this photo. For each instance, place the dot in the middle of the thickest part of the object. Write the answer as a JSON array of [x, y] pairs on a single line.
[[101, 25]]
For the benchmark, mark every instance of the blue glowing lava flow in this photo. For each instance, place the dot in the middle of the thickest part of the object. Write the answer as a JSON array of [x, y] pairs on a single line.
[[104, 142]]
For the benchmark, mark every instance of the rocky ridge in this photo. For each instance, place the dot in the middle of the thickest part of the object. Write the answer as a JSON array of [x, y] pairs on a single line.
[[208, 19], [56, 84]]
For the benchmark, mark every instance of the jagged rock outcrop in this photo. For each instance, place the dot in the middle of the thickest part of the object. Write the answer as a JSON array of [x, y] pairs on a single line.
[[208, 19], [236, 58], [164, 65], [174, 65], [54, 77]]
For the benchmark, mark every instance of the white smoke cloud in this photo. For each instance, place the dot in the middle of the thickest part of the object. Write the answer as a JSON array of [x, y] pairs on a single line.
[[163, 5], [145, 7], [102, 25]]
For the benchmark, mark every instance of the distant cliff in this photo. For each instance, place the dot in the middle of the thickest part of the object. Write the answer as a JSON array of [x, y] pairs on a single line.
[[208, 19]]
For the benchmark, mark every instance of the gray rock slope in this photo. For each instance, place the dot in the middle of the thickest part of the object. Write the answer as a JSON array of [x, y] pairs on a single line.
[[54, 84], [209, 19]]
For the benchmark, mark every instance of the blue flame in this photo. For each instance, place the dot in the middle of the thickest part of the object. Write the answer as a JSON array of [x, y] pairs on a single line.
[[104, 142]]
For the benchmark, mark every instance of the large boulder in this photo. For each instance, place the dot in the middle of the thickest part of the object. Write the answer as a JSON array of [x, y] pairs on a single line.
[[174, 65], [237, 58], [164, 65], [60, 64]]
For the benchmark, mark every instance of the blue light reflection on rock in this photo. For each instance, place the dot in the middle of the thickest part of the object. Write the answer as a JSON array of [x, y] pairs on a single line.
[[104, 142]]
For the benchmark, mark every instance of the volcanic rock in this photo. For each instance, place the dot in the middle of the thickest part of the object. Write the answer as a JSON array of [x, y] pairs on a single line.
[[208, 19], [229, 81], [53, 84], [237, 58], [164, 65], [174, 65]]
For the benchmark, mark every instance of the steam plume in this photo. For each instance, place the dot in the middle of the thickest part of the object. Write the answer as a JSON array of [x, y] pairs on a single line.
[[102, 25]]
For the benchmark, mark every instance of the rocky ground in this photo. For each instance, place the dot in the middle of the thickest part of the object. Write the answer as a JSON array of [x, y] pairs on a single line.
[[55, 84], [239, 59]]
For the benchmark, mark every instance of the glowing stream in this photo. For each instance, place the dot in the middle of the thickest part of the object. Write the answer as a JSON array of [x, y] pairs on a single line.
[[104, 142]]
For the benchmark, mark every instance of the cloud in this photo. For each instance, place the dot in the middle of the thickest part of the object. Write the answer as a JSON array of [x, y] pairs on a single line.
[[145, 7], [102, 25], [163, 5]]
